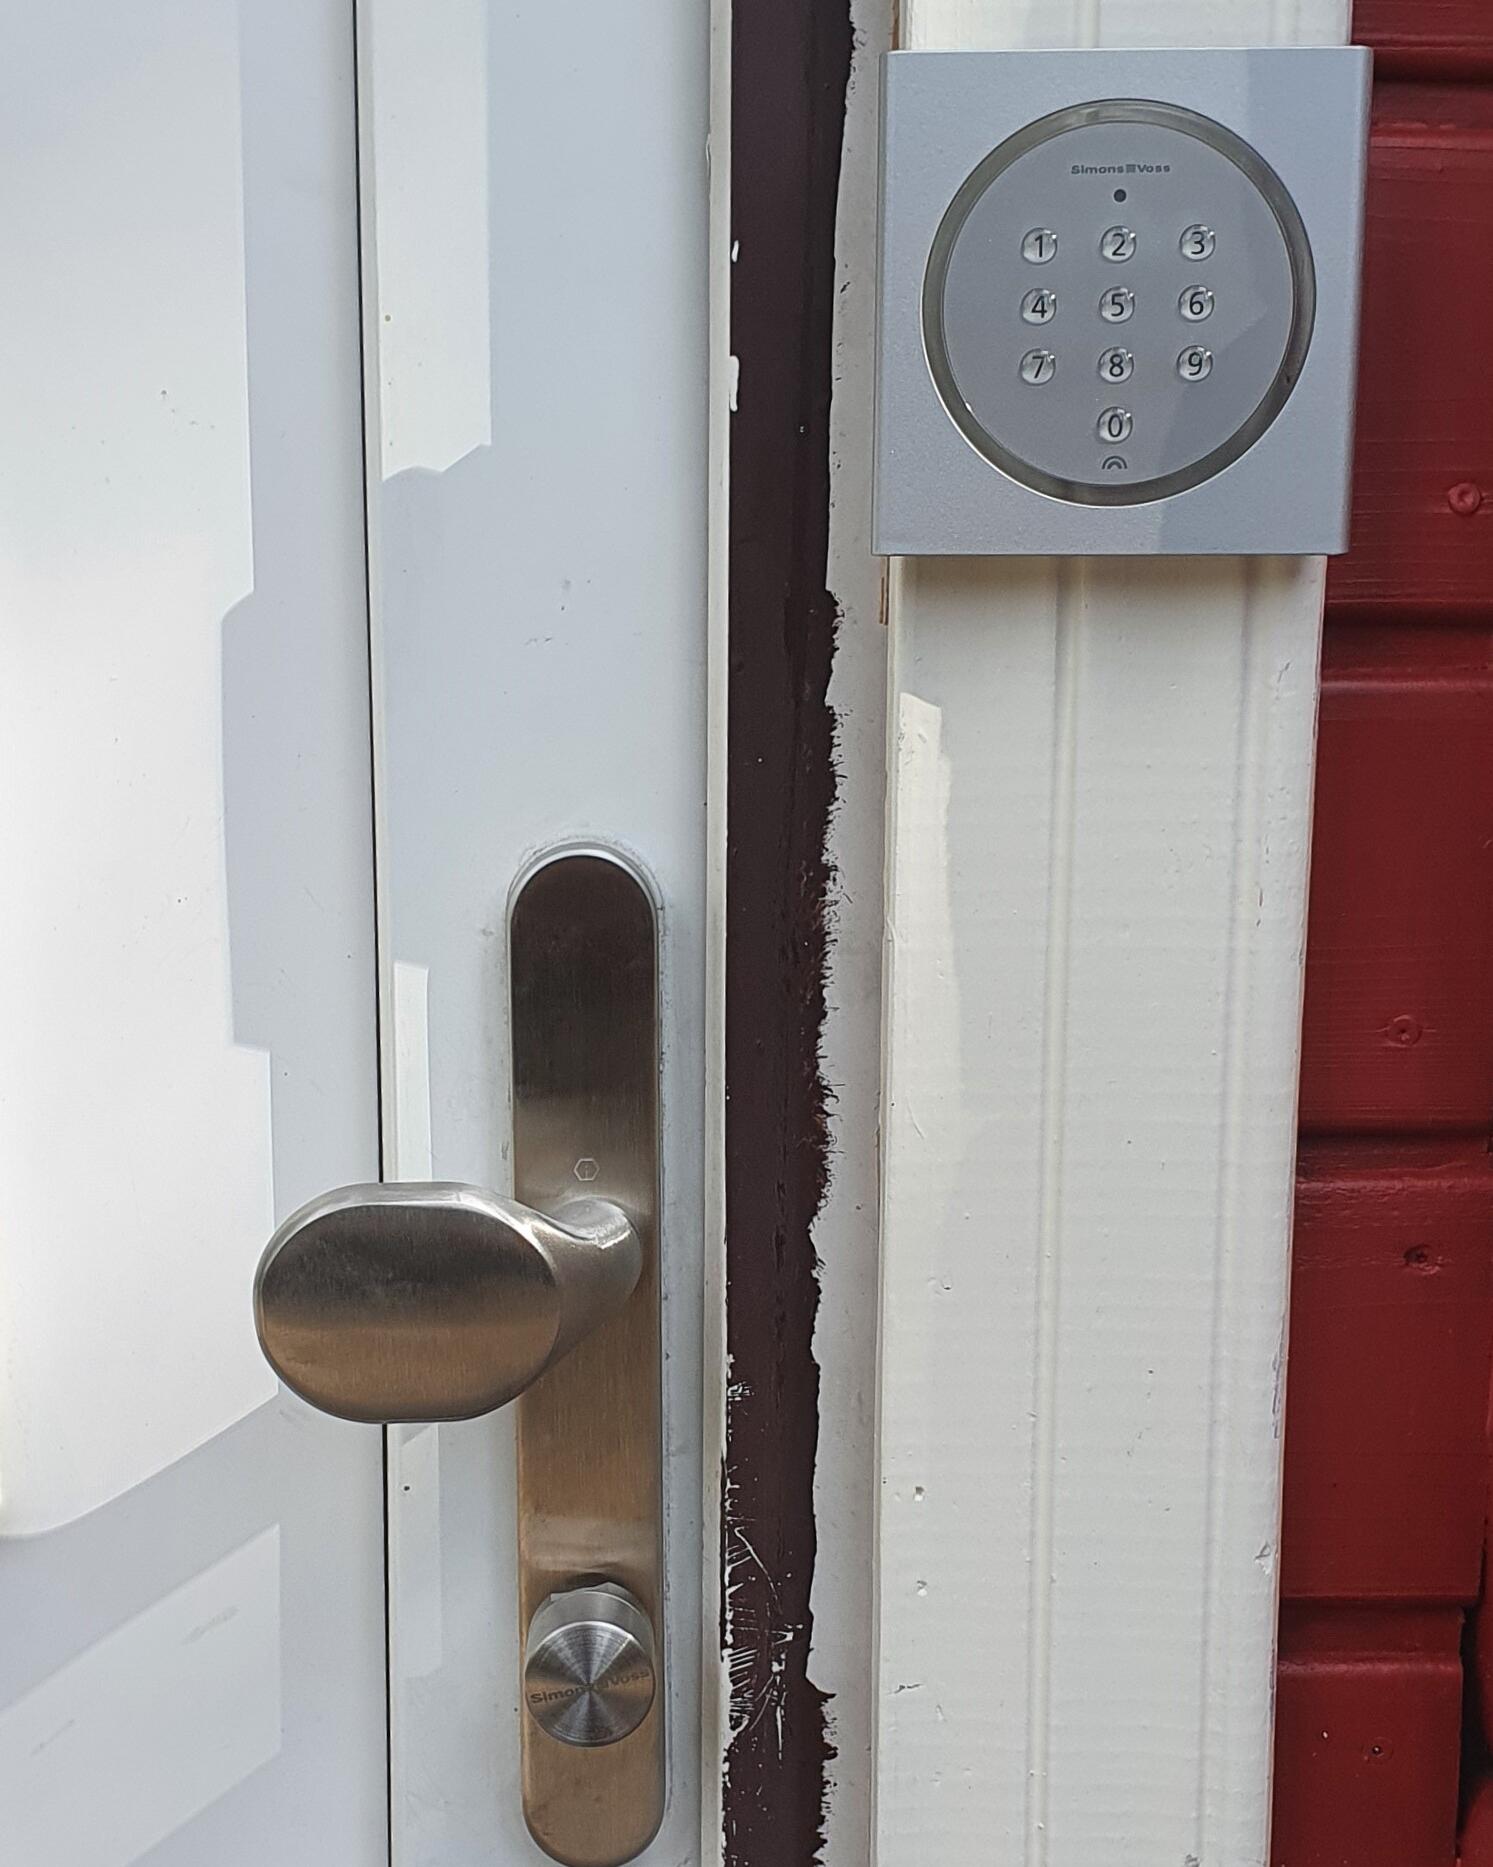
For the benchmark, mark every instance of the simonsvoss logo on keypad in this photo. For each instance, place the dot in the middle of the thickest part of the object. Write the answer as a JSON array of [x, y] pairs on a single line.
[[1122, 168]]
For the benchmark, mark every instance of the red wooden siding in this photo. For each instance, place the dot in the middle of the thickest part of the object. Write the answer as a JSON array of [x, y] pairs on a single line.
[[1444, 38], [1388, 1374], [1423, 506], [1381, 1742]]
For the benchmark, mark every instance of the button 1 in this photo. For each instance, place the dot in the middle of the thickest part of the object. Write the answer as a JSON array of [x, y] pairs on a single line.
[[1195, 363], [1117, 365], [1118, 244], [1116, 424], [1039, 307], [1199, 242], [1196, 304], [1040, 246], [1038, 367], [1117, 305]]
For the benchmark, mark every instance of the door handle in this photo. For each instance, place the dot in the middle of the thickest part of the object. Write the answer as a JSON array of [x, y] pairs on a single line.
[[441, 1301], [402, 1303]]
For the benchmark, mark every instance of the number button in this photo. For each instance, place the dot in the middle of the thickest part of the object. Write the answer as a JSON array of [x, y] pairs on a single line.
[[1118, 245], [1039, 307], [1038, 367], [1040, 246], [1117, 365], [1116, 424], [1195, 363], [1199, 242], [1117, 305], [1196, 304]]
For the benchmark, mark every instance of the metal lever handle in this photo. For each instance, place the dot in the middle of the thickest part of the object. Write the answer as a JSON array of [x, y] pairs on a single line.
[[435, 1302], [412, 1303]]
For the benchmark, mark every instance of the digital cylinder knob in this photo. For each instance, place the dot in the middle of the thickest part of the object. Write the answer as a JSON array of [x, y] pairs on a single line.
[[589, 1674]]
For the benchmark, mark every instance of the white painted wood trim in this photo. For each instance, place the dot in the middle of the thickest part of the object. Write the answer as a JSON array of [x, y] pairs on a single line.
[[1098, 831]]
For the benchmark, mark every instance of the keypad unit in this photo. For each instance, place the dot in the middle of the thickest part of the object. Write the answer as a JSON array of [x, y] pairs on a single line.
[[1173, 283]]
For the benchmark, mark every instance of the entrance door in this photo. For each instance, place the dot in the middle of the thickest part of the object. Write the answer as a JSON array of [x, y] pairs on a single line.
[[191, 1564], [534, 237], [355, 522]]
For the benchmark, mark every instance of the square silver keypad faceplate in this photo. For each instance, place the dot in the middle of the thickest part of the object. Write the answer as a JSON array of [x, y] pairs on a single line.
[[1119, 301]]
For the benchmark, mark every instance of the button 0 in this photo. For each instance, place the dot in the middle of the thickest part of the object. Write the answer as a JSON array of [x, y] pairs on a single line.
[[1040, 246], [1199, 242], [1117, 305], [1038, 367], [1118, 245], [1115, 425], [1039, 307], [1196, 304]]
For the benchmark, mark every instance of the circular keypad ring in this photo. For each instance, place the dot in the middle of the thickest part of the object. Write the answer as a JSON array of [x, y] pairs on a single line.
[[1199, 237]]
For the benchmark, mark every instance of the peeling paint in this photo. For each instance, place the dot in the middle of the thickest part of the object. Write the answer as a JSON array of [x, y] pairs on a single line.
[[790, 63]]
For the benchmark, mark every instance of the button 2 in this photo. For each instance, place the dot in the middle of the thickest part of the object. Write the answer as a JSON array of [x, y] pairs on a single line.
[[1040, 246], [1039, 307], [1118, 245], [1117, 305], [1115, 425], [1038, 366]]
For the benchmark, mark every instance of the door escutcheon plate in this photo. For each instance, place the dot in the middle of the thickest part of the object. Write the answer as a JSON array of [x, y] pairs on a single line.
[[583, 978]]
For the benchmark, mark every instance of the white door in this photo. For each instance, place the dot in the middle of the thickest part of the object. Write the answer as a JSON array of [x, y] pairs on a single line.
[[354, 526]]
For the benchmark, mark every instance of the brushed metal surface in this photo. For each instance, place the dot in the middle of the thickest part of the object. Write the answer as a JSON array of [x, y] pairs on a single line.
[[434, 1302], [1304, 110], [589, 1677], [583, 975]]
